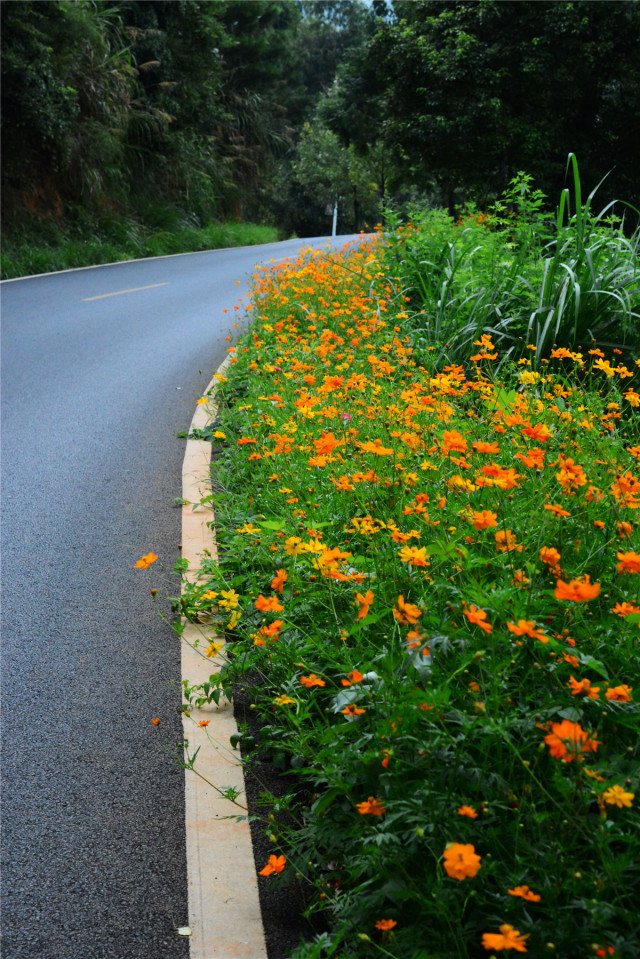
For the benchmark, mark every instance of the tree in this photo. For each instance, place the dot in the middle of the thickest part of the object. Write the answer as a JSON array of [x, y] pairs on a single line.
[[469, 93], [331, 173]]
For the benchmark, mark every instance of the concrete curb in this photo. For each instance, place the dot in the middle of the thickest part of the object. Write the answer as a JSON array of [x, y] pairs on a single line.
[[224, 908]]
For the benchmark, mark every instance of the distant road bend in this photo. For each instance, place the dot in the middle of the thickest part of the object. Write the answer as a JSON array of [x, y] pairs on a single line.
[[100, 371]]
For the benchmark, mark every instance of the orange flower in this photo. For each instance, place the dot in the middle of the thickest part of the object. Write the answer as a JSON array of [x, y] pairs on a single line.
[[534, 458], [477, 616], [156, 722], [556, 510], [629, 562], [506, 541], [519, 579], [364, 603], [527, 627], [525, 893], [312, 680], [481, 447], [625, 609], [146, 561], [452, 441], [539, 433], [484, 519], [278, 581], [568, 740], [270, 604], [571, 475], [625, 490], [376, 447], [507, 938], [406, 612], [352, 710], [204, 723], [327, 443], [494, 475], [354, 677], [583, 686], [275, 864], [461, 860], [577, 590], [414, 556], [272, 632], [372, 807], [549, 555], [619, 694], [468, 811], [385, 924]]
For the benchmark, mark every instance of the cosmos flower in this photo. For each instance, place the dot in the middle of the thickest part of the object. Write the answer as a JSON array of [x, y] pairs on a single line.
[[568, 741], [275, 864], [577, 590], [371, 807], [507, 938], [461, 861], [146, 561], [524, 893]]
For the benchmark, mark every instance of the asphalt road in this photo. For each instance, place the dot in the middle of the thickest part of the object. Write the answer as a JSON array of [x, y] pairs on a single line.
[[95, 388]]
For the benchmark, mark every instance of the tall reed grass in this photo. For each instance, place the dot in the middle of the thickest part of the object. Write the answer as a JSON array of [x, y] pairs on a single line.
[[520, 275]]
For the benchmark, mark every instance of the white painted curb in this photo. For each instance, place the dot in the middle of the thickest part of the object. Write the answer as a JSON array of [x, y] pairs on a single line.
[[224, 908]]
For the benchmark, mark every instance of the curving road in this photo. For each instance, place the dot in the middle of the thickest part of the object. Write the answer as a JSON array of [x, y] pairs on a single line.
[[100, 371]]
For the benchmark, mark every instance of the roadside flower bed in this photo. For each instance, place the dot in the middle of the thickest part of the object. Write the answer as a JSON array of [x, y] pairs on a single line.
[[429, 578]]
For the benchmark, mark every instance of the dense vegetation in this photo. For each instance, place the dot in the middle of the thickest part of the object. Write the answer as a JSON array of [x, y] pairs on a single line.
[[124, 121], [427, 492]]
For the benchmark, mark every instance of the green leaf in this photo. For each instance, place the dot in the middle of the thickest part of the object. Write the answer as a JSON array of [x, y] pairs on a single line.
[[325, 801], [274, 524], [595, 665]]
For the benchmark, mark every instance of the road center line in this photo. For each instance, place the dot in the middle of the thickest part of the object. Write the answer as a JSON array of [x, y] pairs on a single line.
[[136, 289]]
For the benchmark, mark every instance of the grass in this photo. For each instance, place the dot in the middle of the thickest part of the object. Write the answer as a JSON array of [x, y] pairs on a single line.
[[429, 577], [47, 247]]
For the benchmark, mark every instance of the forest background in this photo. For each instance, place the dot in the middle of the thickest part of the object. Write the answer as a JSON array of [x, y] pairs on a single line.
[[134, 128]]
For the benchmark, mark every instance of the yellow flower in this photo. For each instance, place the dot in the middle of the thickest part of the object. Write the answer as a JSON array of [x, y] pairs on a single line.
[[616, 796], [230, 599], [283, 700], [214, 648], [293, 546]]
